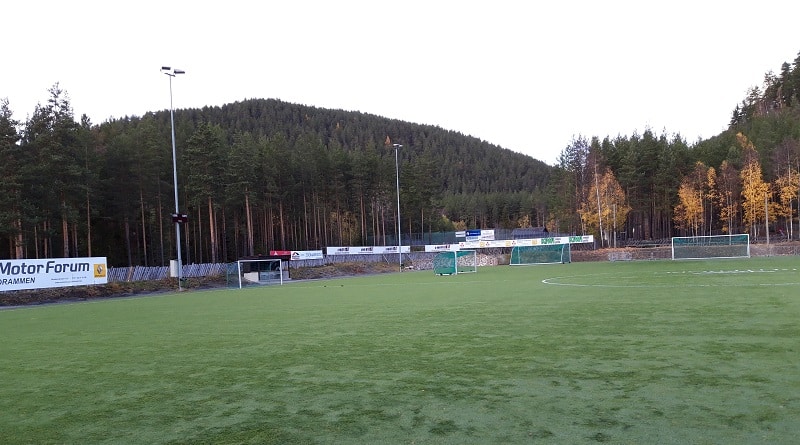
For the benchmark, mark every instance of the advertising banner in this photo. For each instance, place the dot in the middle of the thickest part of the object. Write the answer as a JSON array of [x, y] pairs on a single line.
[[55, 272], [365, 250], [442, 248], [526, 242], [306, 255]]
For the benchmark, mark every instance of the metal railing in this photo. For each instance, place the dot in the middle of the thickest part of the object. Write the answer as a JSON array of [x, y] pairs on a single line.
[[142, 273]]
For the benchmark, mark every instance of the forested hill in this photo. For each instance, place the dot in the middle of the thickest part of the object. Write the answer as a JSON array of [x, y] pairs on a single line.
[[460, 164], [261, 175]]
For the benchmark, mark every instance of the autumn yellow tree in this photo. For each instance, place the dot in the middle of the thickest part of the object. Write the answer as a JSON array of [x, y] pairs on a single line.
[[711, 195], [613, 208], [754, 189], [690, 214], [727, 190], [689, 211], [787, 188]]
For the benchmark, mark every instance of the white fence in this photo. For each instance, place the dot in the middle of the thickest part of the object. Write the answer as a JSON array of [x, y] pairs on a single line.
[[142, 273], [420, 260]]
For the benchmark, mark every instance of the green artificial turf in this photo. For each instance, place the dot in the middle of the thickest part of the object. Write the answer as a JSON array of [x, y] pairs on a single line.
[[661, 352]]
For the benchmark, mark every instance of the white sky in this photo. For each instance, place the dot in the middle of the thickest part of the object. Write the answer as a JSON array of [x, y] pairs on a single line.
[[527, 76]]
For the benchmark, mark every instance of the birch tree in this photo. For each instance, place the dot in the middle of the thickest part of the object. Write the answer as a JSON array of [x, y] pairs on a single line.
[[690, 211], [613, 208], [754, 189], [787, 189], [727, 194]]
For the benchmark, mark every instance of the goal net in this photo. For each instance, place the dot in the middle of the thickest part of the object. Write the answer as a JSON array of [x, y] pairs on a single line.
[[451, 263], [541, 254], [716, 246], [249, 272]]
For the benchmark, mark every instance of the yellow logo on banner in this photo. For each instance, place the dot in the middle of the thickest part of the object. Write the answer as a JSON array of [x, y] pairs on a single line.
[[99, 270]]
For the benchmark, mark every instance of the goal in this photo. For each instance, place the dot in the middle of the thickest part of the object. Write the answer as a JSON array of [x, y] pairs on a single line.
[[260, 271], [451, 263], [716, 246], [540, 254]]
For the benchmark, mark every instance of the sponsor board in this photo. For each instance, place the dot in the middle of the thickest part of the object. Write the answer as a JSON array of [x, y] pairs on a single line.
[[526, 242], [54, 272], [365, 250], [478, 235], [442, 248], [473, 235], [306, 255]]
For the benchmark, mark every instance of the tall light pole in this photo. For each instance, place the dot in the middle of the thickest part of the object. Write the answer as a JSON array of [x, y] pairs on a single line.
[[176, 217], [397, 148]]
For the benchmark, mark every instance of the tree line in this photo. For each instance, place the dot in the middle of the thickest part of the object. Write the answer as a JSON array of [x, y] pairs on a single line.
[[651, 186], [253, 176], [261, 175]]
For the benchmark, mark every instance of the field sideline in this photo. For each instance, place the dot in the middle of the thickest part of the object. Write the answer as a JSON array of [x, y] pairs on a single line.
[[651, 352]]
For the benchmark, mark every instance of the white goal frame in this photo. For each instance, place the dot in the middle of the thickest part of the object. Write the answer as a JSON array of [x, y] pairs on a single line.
[[459, 257], [716, 246], [562, 251], [261, 276]]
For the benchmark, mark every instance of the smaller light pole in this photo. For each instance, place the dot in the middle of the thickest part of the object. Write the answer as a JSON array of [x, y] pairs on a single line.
[[397, 147], [177, 217]]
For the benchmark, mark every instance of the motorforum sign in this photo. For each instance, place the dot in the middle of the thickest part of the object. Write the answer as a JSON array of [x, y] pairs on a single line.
[[56, 272]]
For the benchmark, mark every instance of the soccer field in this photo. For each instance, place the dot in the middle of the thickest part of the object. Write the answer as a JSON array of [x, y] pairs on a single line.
[[659, 352]]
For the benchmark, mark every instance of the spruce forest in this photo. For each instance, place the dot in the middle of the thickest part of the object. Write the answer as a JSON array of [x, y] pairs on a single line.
[[262, 175]]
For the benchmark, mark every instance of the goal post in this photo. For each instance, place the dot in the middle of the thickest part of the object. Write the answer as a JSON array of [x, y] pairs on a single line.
[[540, 254], [455, 262], [712, 246], [258, 271]]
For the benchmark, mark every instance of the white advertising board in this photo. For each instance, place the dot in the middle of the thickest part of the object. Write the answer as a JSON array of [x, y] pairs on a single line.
[[527, 242], [442, 247], [306, 255], [54, 272], [366, 250]]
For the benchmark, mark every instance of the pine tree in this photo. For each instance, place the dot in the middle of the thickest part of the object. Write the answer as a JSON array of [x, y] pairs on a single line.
[[10, 181], [53, 173]]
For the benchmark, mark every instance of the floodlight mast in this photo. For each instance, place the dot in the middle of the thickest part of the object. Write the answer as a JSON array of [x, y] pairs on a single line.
[[397, 147], [169, 71]]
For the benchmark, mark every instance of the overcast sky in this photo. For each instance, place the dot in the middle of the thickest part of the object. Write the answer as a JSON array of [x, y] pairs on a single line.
[[522, 75]]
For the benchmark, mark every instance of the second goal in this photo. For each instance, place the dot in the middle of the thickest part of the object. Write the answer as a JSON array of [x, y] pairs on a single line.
[[452, 263], [540, 254], [716, 246]]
